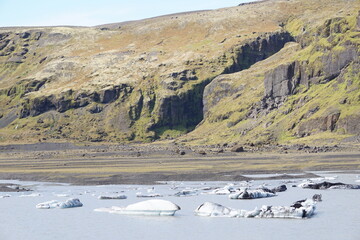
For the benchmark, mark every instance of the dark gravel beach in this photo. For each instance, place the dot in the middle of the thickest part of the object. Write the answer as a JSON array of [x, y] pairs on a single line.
[[86, 164]]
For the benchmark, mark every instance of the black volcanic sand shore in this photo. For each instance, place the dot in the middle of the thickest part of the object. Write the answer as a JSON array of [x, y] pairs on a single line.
[[86, 164]]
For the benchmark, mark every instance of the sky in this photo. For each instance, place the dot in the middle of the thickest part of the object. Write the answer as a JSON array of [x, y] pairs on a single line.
[[96, 12]]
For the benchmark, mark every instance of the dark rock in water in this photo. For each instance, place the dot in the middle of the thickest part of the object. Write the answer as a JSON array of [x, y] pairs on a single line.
[[281, 188], [237, 149], [298, 204], [317, 197]]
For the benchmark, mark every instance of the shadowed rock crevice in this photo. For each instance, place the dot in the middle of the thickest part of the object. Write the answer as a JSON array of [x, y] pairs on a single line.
[[187, 108], [259, 49]]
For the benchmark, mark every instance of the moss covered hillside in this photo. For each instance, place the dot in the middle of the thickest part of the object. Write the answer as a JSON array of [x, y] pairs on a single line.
[[268, 72]]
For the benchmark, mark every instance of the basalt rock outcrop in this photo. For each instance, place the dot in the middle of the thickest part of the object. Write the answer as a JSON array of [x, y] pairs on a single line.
[[306, 93]]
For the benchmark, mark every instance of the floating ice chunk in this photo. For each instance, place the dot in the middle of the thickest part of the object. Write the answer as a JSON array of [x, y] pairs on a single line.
[[223, 191], [151, 190], [186, 193], [61, 195], [318, 179], [103, 197], [345, 186], [5, 196], [251, 194], [220, 191], [300, 209], [317, 198], [149, 195], [154, 207], [331, 178], [328, 185], [209, 209], [70, 203], [48, 204], [31, 195], [281, 188]]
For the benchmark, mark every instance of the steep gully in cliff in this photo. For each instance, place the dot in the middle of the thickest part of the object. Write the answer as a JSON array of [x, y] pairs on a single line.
[[187, 109]]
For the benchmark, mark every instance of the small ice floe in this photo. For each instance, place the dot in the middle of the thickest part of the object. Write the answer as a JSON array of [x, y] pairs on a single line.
[[328, 185], [300, 209], [48, 204], [317, 198], [70, 203], [281, 188], [186, 193], [5, 196], [209, 209], [223, 191], [31, 195], [148, 195], [105, 197], [251, 194], [61, 195], [154, 207], [331, 178], [358, 180], [151, 190]]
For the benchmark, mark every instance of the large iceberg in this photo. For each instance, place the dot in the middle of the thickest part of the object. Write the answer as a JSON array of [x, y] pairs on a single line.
[[154, 207], [251, 194], [300, 209], [70, 203]]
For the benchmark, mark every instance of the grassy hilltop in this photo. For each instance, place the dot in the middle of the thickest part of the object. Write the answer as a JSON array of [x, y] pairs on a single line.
[[269, 72]]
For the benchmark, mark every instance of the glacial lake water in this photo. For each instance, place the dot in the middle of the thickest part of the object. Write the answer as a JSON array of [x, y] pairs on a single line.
[[337, 216]]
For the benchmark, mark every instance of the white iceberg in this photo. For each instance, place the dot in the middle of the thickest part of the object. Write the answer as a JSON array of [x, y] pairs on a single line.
[[154, 207], [108, 197], [251, 194], [70, 203], [300, 209]]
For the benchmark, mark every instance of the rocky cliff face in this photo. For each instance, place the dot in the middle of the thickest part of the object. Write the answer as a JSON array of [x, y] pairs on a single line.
[[241, 74], [306, 94]]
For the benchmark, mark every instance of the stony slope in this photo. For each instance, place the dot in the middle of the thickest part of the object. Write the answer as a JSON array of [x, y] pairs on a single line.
[[159, 78]]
